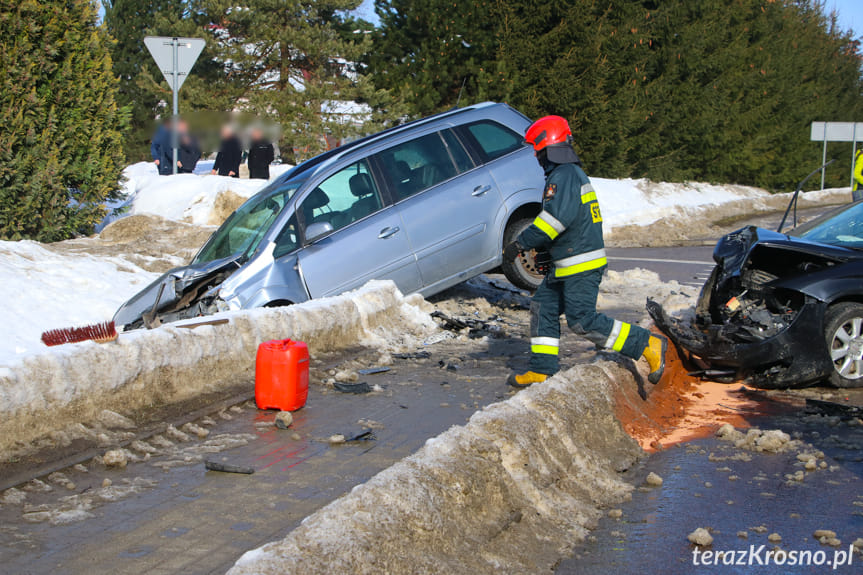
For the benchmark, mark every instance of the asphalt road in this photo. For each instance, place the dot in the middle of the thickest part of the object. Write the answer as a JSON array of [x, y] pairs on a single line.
[[689, 265]]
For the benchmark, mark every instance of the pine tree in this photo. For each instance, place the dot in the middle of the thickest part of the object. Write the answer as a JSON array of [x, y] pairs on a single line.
[[300, 64], [580, 60], [733, 86], [128, 22], [60, 148], [716, 90], [143, 89], [437, 53]]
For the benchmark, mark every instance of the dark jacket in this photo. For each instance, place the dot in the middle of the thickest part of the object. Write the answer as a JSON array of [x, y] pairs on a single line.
[[160, 149], [261, 154], [570, 224], [229, 157], [188, 154]]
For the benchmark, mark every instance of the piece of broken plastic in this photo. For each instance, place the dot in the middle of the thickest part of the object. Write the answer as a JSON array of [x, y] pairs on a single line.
[[360, 387]]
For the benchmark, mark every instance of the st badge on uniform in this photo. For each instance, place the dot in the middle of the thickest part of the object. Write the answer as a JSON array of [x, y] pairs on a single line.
[[550, 191]]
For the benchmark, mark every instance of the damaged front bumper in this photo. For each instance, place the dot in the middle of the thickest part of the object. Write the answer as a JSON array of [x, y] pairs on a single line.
[[757, 318], [794, 357], [181, 293]]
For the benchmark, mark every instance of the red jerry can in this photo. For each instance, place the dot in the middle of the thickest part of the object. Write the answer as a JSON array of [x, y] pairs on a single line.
[[282, 375]]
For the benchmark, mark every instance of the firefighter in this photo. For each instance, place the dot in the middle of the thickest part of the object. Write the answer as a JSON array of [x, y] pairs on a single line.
[[857, 190], [569, 228]]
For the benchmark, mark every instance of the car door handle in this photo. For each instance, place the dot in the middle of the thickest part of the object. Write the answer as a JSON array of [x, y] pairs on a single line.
[[480, 191], [388, 233]]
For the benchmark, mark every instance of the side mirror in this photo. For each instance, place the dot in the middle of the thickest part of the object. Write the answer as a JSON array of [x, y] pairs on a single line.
[[318, 230]]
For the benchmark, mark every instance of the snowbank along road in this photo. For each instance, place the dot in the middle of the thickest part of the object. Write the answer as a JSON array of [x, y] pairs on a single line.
[[150, 507]]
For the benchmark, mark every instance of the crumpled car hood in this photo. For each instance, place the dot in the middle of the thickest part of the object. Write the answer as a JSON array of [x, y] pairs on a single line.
[[734, 249], [176, 282]]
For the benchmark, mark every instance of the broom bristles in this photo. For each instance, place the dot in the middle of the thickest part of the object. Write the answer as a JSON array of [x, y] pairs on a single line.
[[99, 332]]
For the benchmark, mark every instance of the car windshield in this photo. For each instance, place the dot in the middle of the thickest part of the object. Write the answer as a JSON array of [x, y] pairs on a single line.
[[243, 230], [843, 228]]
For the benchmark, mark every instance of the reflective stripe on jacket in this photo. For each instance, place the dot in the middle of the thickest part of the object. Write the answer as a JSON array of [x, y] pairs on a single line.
[[858, 170], [570, 223]]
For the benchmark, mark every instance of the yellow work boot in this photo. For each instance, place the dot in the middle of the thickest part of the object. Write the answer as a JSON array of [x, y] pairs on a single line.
[[525, 379], [654, 353]]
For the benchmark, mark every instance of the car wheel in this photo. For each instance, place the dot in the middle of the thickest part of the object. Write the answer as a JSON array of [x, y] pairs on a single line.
[[844, 333], [521, 272]]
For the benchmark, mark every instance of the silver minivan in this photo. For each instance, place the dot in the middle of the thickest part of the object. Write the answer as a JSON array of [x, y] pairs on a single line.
[[428, 204]]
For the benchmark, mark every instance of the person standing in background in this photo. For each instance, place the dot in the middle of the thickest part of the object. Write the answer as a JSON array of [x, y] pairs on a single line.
[[189, 152], [160, 149], [230, 155], [857, 189], [261, 155]]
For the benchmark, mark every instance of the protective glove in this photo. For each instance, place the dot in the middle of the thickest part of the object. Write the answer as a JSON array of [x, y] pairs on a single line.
[[512, 251], [542, 260]]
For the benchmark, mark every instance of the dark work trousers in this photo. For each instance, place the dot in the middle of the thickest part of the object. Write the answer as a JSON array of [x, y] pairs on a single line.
[[575, 296]]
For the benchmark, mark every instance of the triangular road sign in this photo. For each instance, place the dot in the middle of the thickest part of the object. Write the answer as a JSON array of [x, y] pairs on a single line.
[[162, 50]]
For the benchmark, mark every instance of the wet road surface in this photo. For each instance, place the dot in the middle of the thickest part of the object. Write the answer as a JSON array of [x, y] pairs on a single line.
[[743, 498]]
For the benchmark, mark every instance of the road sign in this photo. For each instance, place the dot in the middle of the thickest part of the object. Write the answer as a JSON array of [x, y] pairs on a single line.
[[175, 58], [162, 49], [837, 132]]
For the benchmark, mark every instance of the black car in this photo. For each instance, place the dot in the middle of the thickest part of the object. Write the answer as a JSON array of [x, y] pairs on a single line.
[[781, 309]]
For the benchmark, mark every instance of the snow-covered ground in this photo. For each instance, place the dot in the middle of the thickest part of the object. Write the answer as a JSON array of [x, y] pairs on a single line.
[[41, 289], [44, 288], [184, 197], [642, 202]]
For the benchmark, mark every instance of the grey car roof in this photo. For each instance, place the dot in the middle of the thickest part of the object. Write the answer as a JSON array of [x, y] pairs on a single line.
[[315, 164]]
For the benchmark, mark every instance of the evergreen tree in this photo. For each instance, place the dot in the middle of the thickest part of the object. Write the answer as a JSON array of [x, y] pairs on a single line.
[[580, 60], [733, 86], [300, 64], [437, 53], [716, 90], [142, 87], [60, 148]]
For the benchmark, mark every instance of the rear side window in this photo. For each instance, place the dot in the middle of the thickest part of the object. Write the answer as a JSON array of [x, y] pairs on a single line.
[[417, 165], [459, 154], [493, 139]]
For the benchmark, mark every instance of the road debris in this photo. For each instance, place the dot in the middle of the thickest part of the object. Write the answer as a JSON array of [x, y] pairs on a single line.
[[283, 419], [373, 370], [700, 537], [653, 480], [227, 467], [412, 355], [358, 388]]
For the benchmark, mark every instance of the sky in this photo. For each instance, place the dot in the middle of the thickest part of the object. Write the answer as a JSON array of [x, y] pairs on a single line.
[[850, 13]]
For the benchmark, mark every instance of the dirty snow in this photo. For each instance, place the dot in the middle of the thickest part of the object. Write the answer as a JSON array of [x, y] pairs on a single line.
[[55, 392], [642, 202], [41, 289], [511, 490], [184, 197]]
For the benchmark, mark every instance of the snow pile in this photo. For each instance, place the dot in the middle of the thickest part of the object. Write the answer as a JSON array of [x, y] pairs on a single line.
[[71, 384], [189, 198], [510, 491], [41, 289], [638, 213], [642, 202], [622, 289]]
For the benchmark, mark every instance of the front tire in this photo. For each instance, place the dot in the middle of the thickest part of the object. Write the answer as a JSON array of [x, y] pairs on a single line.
[[522, 272], [844, 334]]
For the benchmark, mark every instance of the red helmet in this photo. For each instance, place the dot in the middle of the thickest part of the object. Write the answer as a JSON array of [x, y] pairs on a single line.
[[548, 131]]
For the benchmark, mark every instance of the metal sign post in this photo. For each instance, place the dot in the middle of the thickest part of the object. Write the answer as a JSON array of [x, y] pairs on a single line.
[[175, 58], [836, 132]]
